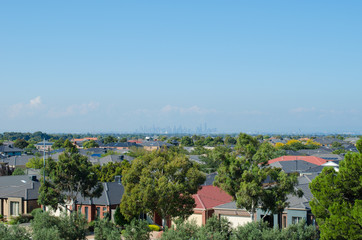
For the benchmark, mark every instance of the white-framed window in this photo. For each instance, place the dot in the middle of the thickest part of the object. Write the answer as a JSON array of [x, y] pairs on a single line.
[[14, 208], [296, 220]]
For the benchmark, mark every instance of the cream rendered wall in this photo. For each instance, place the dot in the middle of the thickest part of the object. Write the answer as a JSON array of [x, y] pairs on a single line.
[[237, 220]]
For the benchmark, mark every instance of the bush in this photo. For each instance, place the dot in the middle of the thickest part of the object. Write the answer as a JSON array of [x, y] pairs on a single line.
[[48, 227], [24, 218], [13, 232], [182, 231], [215, 229], [154, 227], [137, 230], [36, 211], [106, 230]]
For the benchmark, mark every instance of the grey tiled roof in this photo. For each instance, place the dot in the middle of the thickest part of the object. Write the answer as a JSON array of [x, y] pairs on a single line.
[[210, 178], [19, 186], [229, 205], [293, 166], [155, 144], [18, 160], [111, 195], [329, 156], [9, 148]]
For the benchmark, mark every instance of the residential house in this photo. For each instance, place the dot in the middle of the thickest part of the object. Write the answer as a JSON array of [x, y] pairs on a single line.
[[93, 208], [154, 145], [18, 195], [18, 161], [44, 146], [10, 150], [291, 164], [236, 216], [206, 199]]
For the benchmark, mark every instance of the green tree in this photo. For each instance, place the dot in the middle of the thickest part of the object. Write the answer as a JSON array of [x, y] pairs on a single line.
[[90, 144], [19, 171], [35, 162], [124, 139], [214, 158], [186, 141], [71, 175], [337, 202], [58, 143], [107, 173], [209, 141], [110, 139], [160, 181], [21, 143], [243, 175], [119, 219], [336, 144], [229, 140], [70, 147]]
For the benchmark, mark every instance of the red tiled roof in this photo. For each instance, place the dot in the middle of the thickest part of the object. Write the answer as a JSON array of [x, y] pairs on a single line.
[[210, 196], [311, 159]]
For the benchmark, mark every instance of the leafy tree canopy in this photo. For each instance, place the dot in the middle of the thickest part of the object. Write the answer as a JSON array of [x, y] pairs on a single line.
[[71, 175], [107, 173], [90, 144], [160, 181], [246, 176], [21, 143], [337, 202]]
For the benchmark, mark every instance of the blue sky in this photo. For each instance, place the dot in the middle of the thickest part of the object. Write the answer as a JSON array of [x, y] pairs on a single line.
[[113, 66]]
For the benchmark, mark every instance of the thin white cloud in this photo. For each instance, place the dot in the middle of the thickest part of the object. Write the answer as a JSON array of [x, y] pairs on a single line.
[[73, 110], [36, 102], [302, 110], [183, 110], [25, 108]]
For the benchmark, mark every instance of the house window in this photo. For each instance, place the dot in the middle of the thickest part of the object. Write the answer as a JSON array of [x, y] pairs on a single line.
[[86, 212], [79, 209], [284, 221], [296, 220], [98, 212], [104, 211], [14, 208]]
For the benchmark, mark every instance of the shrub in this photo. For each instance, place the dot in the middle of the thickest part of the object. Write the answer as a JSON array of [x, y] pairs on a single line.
[[48, 227], [182, 231], [13, 232], [106, 230], [154, 227], [36, 211], [137, 230]]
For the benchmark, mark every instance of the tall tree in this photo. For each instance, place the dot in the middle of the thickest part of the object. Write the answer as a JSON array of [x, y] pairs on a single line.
[[337, 202], [246, 176], [107, 173], [90, 144], [162, 182], [110, 139], [71, 175], [186, 141], [21, 143]]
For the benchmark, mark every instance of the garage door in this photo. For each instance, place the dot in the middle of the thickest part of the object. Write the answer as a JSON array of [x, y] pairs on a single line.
[[237, 220]]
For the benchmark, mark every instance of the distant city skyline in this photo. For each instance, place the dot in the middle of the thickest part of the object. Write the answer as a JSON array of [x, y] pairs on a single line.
[[244, 66]]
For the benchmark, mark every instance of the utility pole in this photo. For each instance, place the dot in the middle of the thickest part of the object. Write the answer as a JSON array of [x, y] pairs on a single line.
[[44, 167]]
